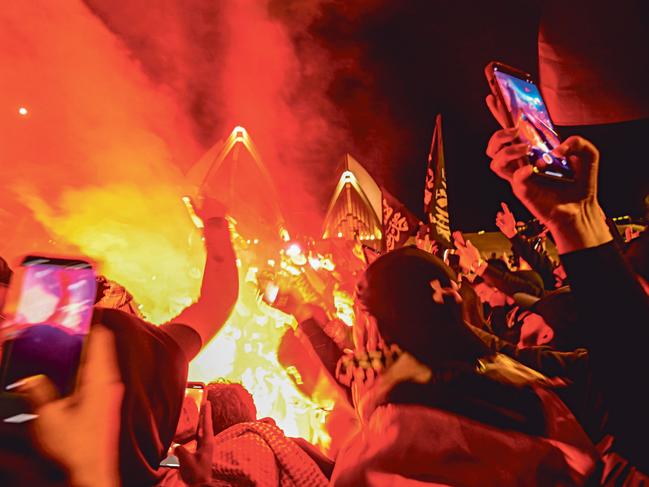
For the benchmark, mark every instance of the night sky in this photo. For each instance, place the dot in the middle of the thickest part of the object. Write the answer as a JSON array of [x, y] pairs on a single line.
[[417, 58]]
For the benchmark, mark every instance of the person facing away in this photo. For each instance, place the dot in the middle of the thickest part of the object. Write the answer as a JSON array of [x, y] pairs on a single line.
[[247, 451], [448, 411]]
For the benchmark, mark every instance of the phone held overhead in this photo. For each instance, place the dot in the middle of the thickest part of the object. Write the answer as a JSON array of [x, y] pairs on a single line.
[[516, 91]]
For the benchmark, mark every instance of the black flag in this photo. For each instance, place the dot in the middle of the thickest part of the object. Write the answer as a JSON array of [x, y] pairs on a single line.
[[399, 223], [435, 196]]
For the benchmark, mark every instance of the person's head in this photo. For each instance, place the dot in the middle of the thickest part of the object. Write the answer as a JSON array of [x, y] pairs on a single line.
[[490, 295], [113, 295], [534, 330], [398, 292], [531, 277], [551, 321], [231, 404], [5, 277]]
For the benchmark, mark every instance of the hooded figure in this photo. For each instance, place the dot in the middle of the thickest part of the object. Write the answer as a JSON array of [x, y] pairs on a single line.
[[446, 411]]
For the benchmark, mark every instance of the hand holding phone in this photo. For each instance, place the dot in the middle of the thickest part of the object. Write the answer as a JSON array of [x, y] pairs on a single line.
[[47, 318], [188, 422], [517, 103]]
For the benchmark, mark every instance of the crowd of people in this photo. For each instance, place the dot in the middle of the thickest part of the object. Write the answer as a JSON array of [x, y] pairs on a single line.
[[473, 371]]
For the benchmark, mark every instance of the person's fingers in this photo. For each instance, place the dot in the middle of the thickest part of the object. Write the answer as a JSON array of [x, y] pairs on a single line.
[[575, 145], [459, 238], [521, 181], [497, 110], [501, 138], [205, 432], [508, 160], [472, 247], [185, 458], [39, 390], [582, 154], [100, 368], [208, 429], [505, 208]]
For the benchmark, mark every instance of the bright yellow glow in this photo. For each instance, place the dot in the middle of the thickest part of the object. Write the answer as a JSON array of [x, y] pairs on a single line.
[[315, 262], [293, 250], [239, 131], [348, 177], [196, 220], [23, 111], [284, 235], [245, 350], [344, 304]]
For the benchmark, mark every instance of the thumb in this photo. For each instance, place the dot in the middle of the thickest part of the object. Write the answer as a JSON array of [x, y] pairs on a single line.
[[586, 155], [471, 246], [497, 110], [458, 237], [39, 390], [185, 458]]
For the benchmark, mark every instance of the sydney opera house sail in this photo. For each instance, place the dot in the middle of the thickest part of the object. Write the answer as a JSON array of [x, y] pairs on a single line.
[[354, 212], [233, 172]]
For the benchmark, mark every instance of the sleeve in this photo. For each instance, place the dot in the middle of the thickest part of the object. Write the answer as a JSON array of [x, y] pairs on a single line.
[[614, 312], [549, 362], [509, 283], [185, 337], [539, 262], [323, 345]]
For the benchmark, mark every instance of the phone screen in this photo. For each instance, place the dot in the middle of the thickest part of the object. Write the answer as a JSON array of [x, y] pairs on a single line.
[[187, 423], [195, 391], [47, 321], [527, 108]]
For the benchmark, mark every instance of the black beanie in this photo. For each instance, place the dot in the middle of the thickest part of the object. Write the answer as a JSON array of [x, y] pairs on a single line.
[[397, 292]]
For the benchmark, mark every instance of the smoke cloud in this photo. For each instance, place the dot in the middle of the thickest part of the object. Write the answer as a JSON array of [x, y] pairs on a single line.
[[88, 166], [123, 96]]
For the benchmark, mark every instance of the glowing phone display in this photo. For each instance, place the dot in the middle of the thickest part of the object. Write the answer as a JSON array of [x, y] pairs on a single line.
[[529, 113], [47, 319]]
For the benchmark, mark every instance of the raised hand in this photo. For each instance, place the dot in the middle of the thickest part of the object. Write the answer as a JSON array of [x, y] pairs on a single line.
[[469, 255], [196, 468], [506, 222], [569, 210]]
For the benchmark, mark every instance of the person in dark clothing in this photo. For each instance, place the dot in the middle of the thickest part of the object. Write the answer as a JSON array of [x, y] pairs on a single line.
[[444, 375], [613, 308], [495, 274], [153, 361]]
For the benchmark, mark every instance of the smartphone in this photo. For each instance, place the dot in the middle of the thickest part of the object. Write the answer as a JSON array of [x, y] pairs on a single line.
[[47, 319], [526, 109], [196, 392], [188, 422]]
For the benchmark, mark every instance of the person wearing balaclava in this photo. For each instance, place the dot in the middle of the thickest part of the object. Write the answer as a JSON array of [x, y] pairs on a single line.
[[446, 410]]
